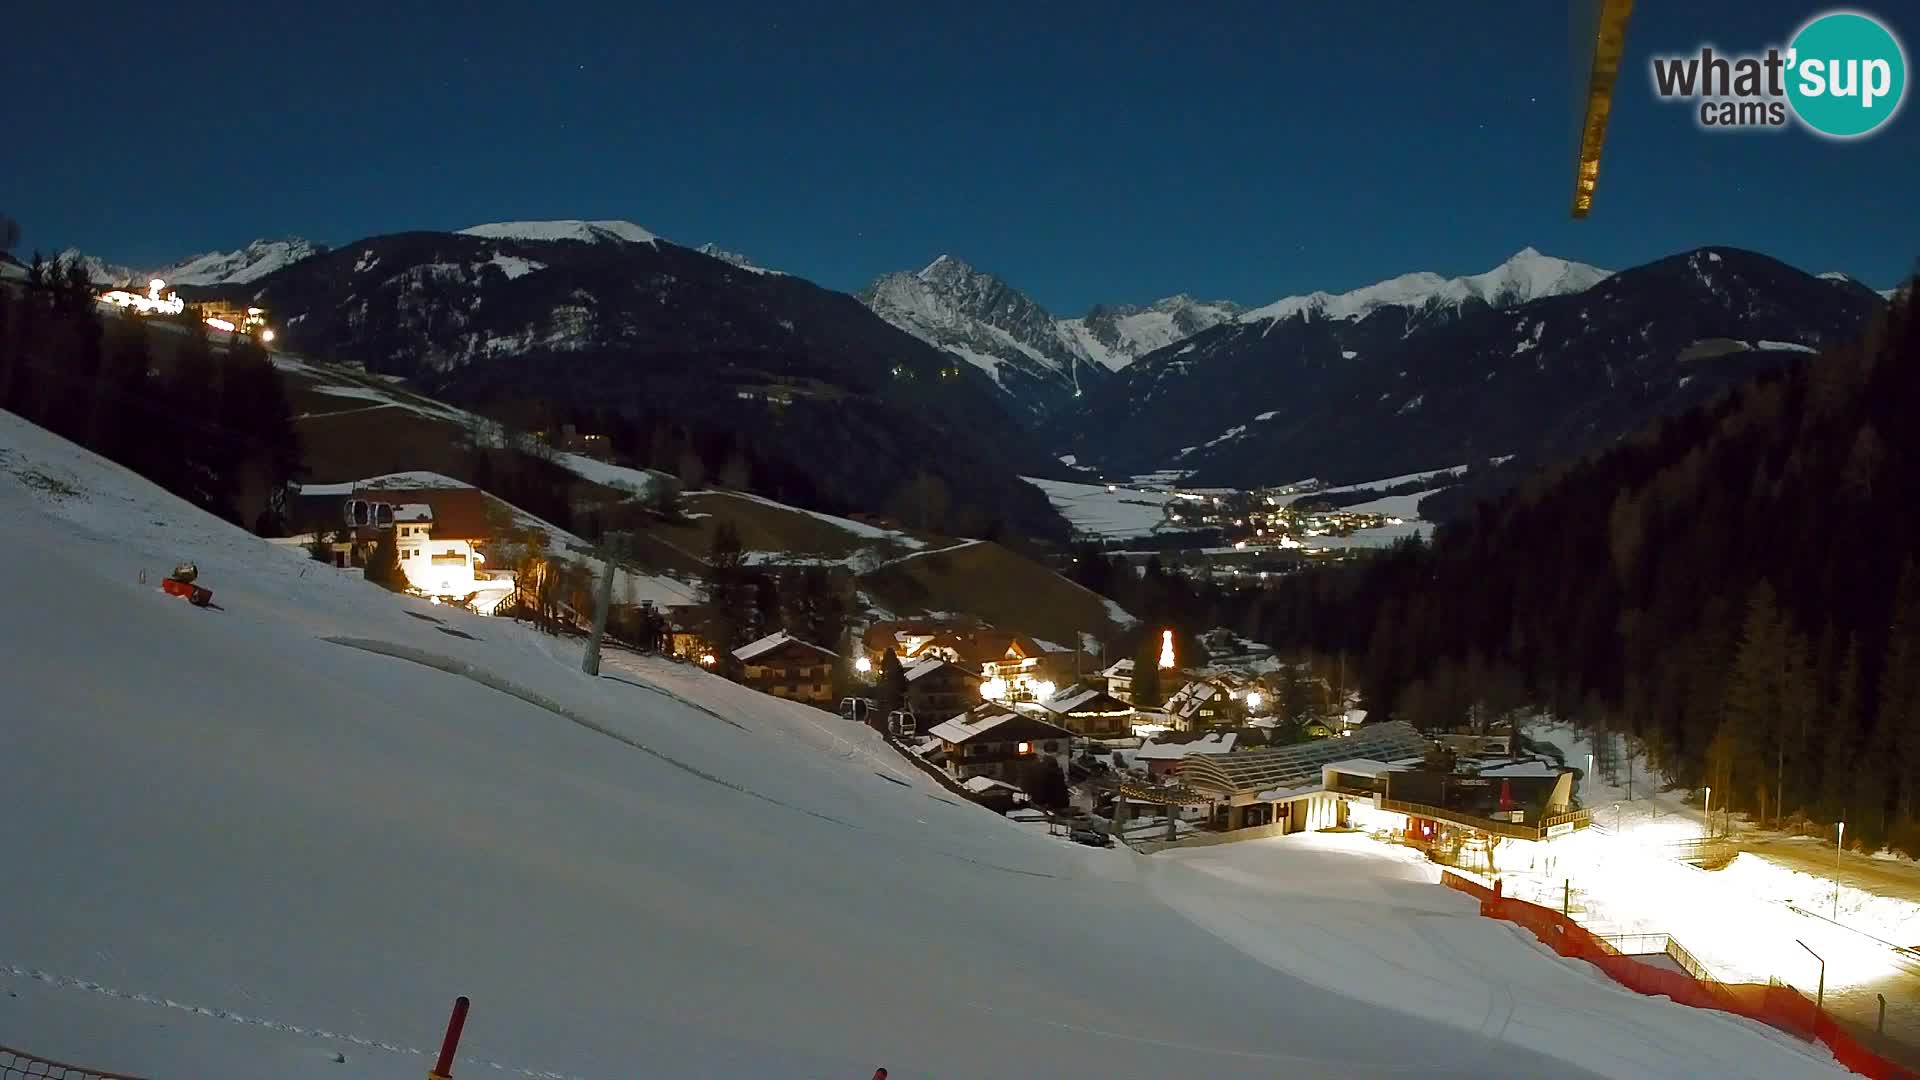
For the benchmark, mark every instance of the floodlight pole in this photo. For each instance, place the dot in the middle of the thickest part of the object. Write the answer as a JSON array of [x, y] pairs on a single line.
[[1820, 999], [1839, 840], [603, 599]]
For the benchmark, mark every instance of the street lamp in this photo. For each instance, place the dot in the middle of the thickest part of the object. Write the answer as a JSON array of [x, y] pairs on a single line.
[[863, 665], [1587, 787], [1709, 811], [1253, 700], [1839, 841]]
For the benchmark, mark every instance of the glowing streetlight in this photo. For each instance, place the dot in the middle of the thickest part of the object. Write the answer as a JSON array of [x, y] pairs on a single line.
[[1166, 650], [266, 336], [1253, 700], [1709, 810], [863, 665], [708, 659], [994, 689], [1043, 690]]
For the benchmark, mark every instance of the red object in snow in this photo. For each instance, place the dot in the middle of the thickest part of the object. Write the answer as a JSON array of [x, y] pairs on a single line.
[[1506, 794], [443, 1068], [194, 594]]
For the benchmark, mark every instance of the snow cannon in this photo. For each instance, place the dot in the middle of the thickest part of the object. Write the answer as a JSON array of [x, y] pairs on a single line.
[[181, 583]]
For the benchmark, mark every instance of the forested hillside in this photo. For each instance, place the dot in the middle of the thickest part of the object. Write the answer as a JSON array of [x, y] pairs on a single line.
[[1736, 585], [207, 421]]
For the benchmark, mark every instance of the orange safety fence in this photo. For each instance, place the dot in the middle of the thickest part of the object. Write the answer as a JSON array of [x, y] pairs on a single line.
[[20, 1065], [1775, 1005]]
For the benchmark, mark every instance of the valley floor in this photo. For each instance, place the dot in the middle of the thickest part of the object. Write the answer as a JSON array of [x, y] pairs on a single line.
[[236, 849]]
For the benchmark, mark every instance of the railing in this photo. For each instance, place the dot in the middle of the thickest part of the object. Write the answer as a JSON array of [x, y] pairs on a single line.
[[20, 1065], [1511, 829]]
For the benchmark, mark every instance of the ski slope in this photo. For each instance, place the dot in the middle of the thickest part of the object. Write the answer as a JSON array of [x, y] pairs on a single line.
[[238, 849]]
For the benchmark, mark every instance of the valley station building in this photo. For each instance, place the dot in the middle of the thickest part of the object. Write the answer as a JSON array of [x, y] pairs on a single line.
[[1378, 777]]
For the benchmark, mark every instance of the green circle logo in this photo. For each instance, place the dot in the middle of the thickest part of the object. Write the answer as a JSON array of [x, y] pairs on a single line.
[[1847, 74]]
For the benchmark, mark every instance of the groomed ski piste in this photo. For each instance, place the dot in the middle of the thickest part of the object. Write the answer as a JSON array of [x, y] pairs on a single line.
[[235, 848]]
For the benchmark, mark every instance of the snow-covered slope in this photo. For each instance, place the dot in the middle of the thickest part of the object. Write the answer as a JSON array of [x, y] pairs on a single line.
[[1115, 336], [1528, 275], [250, 263], [732, 258], [99, 271], [983, 320], [591, 232], [1032, 355], [244, 849]]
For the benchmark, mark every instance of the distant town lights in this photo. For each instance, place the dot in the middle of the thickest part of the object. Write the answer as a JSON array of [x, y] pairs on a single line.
[[266, 335], [1254, 699], [220, 324], [994, 689], [863, 665], [1166, 649]]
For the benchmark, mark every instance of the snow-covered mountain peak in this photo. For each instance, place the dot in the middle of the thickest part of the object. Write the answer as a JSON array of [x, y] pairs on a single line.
[[250, 263], [1528, 275], [732, 258], [590, 232]]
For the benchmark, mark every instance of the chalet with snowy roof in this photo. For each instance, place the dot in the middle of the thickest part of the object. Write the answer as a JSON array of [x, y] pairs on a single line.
[[938, 689], [1089, 712], [1119, 679], [994, 741], [1203, 704], [787, 667], [1166, 756]]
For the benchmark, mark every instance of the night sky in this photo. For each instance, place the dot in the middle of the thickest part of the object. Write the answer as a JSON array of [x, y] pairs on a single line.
[[1084, 151]]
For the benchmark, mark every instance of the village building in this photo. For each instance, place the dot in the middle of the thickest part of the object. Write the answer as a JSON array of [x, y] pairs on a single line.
[[1387, 776], [938, 689], [1088, 712], [1119, 678], [1166, 756], [787, 667], [994, 741], [439, 535], [1204, 704]]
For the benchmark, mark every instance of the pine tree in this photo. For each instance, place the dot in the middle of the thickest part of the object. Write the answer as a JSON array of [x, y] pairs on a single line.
[[890, 692], [727, 591], [1899, 711], [383, 566], [1844, 737], [1147, 690]]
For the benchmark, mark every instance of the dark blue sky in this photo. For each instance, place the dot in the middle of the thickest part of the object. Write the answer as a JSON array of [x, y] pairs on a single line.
[[1084, 151]]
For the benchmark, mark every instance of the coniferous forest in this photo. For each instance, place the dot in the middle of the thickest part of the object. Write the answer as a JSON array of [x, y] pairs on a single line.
[[208, 421], [1737, 587]]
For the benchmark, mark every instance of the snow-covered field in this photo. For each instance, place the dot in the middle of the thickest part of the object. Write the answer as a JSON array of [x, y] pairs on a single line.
[[239, 849], [1358, 918], [1120, 514]]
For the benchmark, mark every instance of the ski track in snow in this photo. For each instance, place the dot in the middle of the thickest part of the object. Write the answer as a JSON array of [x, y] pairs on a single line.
[[70, 982]]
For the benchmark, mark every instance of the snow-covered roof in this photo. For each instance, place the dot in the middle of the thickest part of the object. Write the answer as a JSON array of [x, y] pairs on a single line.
[[927, 665], [1120, 669], [1027, 813], [980, 785], [1079, 696], [1215, 742], [1002, 723], [327, 490], [1359, 767], [1297, 767], [774, 641], [411, 512], [1524, 768]]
